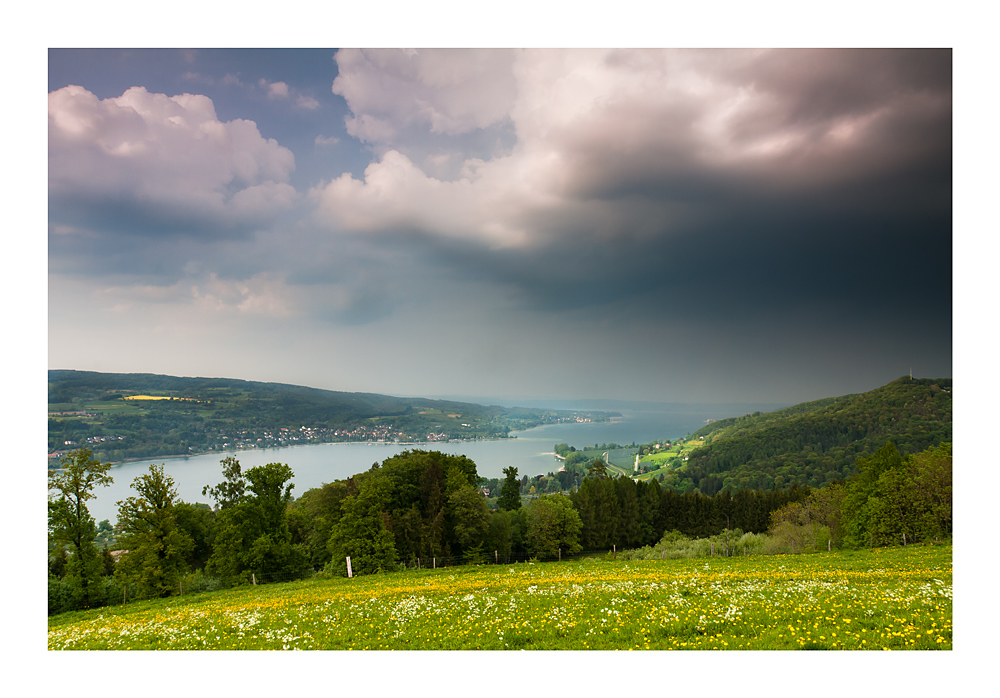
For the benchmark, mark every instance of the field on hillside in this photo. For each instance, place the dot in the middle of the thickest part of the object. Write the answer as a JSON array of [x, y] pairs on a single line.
[[894, 598]]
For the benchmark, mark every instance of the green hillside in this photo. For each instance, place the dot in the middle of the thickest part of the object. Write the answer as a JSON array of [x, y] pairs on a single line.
[[140, 415], [816, 443]]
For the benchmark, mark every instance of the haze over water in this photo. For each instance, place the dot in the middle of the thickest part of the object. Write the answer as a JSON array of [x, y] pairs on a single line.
[[531, 452]]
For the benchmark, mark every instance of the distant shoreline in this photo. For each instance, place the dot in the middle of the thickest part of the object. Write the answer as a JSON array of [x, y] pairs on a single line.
[[228, 452]]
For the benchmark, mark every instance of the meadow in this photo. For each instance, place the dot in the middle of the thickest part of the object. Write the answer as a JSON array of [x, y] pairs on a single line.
[[882, 599]]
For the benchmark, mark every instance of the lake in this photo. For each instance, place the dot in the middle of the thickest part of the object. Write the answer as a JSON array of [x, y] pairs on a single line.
[[317, 464]]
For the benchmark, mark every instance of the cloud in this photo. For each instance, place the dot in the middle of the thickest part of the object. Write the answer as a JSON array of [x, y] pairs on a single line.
[[281, 91], [275, 90], [742, 163], [448, 91], [148, 162], [306, 102]]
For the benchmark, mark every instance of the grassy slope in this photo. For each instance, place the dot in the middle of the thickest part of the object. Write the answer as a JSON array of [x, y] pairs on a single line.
[[893, 598]]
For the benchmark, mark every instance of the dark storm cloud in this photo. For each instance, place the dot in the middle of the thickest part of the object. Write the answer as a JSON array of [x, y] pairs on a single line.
[[831, 184]]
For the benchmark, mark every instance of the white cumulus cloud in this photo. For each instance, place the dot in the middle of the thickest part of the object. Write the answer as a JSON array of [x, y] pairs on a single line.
[[448, 91], [167, 159]]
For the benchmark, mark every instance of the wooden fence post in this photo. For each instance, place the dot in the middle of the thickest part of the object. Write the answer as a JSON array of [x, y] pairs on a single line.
[[350, 572], [253, 576], [496, 557]]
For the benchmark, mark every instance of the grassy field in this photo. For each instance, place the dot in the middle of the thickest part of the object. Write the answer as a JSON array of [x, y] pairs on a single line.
[[896, 598]]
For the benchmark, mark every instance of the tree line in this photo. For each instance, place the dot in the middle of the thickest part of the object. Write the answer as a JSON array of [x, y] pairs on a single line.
[[420, 507]]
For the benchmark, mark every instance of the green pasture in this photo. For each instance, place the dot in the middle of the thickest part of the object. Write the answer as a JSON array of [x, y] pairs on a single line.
[[892, 598]]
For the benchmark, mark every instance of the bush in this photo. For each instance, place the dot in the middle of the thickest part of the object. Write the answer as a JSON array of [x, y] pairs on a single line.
[[62, 596], [199, 581], [675, 545], [65, 596], [788, 537]]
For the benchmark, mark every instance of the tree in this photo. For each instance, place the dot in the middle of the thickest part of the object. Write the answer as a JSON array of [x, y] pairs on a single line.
[[896, 494], [498, 536], [598, 470], [228, 493], [252, 539], [156, 548], [469, 524], [70, 523], [510, 492], [553, 525], [866, 513], [312, 516], [361, 533], [198, 522]]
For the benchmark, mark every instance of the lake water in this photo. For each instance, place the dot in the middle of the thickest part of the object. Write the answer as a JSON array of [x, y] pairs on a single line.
[[317, 464]]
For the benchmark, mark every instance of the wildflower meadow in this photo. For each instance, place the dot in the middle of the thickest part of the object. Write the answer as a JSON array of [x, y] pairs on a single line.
[[881, 599]]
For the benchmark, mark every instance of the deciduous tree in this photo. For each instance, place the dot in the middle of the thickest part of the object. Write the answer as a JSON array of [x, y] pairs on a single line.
[[70, 523], [156, 547], [253, 540], [553, 525]]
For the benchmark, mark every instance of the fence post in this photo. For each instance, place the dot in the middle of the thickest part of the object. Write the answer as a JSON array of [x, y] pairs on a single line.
[[418, 563], [713, 549], [560, 554], [435, 560], [350, 573], [496, 557], [614, 548], [253, 576]]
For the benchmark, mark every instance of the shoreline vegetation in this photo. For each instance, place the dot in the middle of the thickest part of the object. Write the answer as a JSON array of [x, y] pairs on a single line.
[[232, 452]]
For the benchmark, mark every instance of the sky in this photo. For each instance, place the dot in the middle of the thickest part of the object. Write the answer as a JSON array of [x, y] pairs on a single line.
[[687, 225]]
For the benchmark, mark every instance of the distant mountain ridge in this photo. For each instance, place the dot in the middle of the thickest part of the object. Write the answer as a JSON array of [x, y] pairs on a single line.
[[196, 415], [815, 443]]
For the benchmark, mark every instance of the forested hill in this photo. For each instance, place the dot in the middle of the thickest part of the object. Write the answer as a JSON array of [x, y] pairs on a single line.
[[815, 443], [140, 415]]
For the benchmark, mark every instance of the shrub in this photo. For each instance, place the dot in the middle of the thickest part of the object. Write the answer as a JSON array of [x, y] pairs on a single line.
[[675, 545], [199, 581]]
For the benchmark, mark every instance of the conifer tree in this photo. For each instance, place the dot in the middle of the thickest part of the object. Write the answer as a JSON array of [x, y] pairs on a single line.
[[510, 491]]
